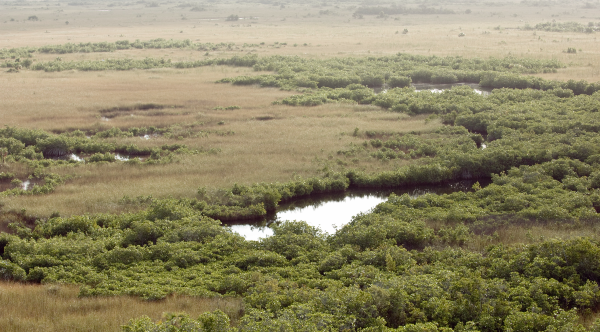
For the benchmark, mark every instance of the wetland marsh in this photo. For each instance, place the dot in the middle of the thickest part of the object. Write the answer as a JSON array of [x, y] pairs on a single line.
[[132, 132]]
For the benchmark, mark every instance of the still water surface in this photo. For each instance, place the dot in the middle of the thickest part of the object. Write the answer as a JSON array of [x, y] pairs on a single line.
[[331, 212]]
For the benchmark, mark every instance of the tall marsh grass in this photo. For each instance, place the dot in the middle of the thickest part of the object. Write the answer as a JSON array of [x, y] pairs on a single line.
[[58, 308], [300, 141]]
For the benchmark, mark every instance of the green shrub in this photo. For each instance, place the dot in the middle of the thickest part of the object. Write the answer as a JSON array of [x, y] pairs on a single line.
[[10, 271], [63, 226], [399, 82], [99, 157]]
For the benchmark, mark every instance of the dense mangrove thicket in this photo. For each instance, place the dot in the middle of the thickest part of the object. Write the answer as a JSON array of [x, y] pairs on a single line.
[[384, 270], [432, 263], [376, 71]]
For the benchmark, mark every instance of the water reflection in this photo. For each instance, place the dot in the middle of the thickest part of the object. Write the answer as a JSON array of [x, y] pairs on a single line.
[[439, 88], [330, 212], [25, 184], [70, 156], [75, 157]]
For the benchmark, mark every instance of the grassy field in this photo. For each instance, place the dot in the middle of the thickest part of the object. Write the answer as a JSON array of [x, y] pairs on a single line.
[[260, 141], [58, 308]]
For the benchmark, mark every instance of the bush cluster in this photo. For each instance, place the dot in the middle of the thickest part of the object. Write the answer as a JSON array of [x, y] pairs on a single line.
[[383, 271], [563, 27]]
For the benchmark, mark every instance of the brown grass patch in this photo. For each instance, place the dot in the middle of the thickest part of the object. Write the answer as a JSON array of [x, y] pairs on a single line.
[[535, 232], [57, 308], [10, 217], [71, 100], [137, 109], [298, 141]]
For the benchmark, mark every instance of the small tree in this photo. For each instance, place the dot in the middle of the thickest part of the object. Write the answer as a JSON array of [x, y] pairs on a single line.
[[26, 63]]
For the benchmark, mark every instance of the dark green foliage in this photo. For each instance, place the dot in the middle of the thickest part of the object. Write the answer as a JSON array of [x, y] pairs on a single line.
[[563, 27], [55, 146], [193, 230], [61, 226], [12, 146], [99, 157], [397, 71], [170, 209], [253, 202], [362, 275], [16, 53], [10, 271], [294, 240], [216, 321], [26, 136], [399, 82], [6, 176]]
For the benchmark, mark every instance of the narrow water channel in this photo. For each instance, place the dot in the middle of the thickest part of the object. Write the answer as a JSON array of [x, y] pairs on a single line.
[[331, 212], [438, 88]]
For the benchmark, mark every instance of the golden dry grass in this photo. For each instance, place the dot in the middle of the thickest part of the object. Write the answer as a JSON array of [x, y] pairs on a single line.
[[57, 308], [518, 234], [297, 142], [73, 100]]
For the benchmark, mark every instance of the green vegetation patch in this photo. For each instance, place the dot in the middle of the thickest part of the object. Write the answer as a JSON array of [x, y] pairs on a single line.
[[395, 71], [39, 150], [159, 43], [553, 26]]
